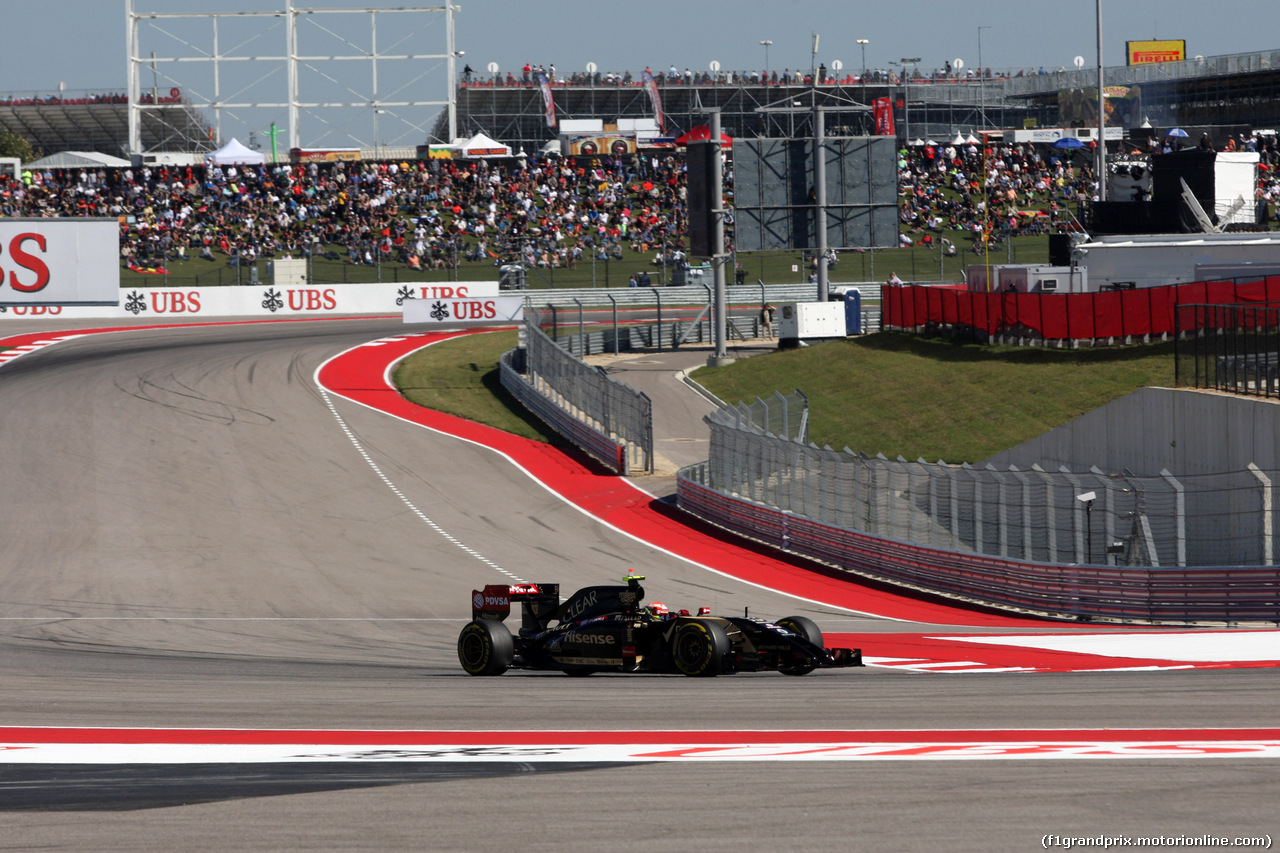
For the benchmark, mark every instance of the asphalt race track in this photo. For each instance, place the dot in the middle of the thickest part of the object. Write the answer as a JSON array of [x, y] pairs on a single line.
[[229, 599]]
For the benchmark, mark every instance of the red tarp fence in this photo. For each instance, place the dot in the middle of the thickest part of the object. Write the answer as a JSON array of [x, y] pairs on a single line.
[[1061, 316]]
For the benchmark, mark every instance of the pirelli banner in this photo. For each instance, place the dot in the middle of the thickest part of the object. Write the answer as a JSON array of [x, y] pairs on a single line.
[[1148, 52], [59, 262]]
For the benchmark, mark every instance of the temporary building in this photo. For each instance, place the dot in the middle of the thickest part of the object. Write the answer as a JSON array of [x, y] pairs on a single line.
[[235, 152]]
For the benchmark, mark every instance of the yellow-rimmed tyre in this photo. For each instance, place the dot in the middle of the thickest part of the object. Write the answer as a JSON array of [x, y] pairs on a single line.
[[699, 647], [485, 647], [808, 629]]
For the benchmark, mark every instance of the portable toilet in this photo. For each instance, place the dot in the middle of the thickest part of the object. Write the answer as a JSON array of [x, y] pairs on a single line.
[[852, 312]]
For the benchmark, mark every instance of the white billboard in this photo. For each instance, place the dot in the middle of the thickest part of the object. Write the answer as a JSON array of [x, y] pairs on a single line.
[[262, 300], [465, 313], [59, 262]]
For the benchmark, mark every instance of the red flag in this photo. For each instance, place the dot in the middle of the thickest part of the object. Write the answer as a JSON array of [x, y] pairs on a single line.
[[884, 116], [547, 100], [651, 86]]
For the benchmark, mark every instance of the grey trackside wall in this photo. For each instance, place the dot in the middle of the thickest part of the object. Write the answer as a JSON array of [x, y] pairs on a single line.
[[1187, 432]]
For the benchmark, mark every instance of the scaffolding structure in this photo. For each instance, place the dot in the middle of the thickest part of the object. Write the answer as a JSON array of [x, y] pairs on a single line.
[[516, 114], [333, 47]]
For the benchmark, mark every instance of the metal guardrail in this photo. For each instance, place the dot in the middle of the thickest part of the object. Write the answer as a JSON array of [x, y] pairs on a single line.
[[606, 418], [595, 442], [659, 329], [738, 295]]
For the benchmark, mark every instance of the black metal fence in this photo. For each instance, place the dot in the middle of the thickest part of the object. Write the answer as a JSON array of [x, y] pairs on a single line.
[[1233, 348]]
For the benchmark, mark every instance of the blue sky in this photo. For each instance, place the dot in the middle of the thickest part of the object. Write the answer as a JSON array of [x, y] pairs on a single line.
[[82, 42]]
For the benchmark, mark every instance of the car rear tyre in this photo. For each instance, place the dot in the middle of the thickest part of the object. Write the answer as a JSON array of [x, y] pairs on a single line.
[[699, 648], [808, 629], [485, 647]]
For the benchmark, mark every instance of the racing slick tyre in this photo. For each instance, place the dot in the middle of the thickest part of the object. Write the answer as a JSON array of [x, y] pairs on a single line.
[[808, 629], [485, 647], [699, 648]]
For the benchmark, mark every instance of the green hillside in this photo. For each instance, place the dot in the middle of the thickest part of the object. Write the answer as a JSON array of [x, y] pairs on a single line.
[[884, 393], [901, 395]]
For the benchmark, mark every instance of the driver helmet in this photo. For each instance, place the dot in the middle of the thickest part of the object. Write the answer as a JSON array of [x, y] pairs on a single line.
[[658, 610]]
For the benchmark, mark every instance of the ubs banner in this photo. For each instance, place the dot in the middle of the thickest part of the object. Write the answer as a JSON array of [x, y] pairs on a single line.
[[56, 262], [466, 313], [261, 301]]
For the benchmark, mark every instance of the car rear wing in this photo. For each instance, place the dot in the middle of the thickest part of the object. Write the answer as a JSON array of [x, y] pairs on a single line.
[[539, 602]]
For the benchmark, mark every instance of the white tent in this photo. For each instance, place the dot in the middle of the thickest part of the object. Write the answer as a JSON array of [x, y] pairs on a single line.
[[234, 152], [77, 159], [483, 146]]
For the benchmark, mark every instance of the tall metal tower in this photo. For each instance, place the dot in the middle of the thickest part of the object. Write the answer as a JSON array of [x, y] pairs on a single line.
[[229, 70]]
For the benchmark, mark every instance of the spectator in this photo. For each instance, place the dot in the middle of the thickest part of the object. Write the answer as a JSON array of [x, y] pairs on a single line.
[[766, 320]]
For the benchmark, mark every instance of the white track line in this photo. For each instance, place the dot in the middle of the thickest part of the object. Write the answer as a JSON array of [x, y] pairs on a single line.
[[446, 535]]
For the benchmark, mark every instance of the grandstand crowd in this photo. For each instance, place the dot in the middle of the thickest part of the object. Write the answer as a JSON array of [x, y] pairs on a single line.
[[424, 214], [1012, 190], [546, 212]]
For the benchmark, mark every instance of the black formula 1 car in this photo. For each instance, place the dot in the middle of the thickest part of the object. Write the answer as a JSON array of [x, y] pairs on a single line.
[[607, 629]]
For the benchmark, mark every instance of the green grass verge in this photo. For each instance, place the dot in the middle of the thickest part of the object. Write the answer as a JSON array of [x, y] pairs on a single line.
[[885, 393], [460, 376]]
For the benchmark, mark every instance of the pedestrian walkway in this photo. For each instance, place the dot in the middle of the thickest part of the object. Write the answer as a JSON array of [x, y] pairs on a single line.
[[680, 437]]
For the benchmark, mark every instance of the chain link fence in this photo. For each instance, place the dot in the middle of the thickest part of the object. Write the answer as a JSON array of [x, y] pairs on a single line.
[[587, 395], [1233, 348], [760, 453]]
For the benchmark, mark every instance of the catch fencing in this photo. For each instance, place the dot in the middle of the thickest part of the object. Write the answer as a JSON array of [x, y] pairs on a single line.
[[1073, 544], [1232, 348], [609, 420]]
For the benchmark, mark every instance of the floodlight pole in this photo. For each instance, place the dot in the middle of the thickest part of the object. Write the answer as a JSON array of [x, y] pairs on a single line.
[[1088, 532], [982, 81], [1101, 175], [718, 256], [820, 197]]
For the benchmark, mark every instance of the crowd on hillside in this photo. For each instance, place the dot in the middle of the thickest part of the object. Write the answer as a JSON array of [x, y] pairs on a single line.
[[425, 214], [1023, 189], [1010, 190], [551, 213]]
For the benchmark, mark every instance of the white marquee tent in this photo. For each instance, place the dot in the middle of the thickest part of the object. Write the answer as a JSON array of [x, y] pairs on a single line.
[[483, 146], [235, 152]]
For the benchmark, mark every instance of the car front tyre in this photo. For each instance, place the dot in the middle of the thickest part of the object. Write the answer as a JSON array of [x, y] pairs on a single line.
[[808, 629]]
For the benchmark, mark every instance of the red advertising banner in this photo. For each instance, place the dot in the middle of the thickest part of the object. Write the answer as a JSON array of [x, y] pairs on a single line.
[[883, 111]]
